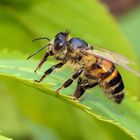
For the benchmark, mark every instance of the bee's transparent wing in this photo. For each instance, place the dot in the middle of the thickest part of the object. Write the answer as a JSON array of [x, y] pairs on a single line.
[[115, 58]]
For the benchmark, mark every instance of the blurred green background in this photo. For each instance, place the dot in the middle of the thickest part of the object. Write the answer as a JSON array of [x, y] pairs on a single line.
[[52, 119]]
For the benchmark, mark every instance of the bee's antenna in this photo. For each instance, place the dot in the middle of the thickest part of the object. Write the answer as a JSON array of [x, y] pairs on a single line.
[[40, 39], [38, 51]]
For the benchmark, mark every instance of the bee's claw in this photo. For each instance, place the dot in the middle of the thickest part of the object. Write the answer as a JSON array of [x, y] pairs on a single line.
[[35, 71], [75, 99], [57, 91], [38, 68], [37, 81]]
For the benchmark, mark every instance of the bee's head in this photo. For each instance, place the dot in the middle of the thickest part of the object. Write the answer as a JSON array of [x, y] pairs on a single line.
[[60, 40], [58, 44]]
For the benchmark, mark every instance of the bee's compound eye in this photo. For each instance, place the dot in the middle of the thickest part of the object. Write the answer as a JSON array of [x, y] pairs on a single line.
[[60, 40], [59, 44]]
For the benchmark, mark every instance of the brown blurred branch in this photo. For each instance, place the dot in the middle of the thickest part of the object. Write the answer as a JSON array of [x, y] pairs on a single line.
[[118, 7]]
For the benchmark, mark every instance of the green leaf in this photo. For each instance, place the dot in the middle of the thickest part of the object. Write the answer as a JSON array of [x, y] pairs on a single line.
[[13, 127], [125, 116], [48, 112], [4, 138], [83, 18]]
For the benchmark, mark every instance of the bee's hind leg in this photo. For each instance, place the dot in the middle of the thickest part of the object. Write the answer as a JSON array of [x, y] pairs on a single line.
[[70, 81], [78, 92], [81, 88]]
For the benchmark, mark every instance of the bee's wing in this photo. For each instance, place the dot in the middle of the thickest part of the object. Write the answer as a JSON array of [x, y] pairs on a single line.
[[115, 58]]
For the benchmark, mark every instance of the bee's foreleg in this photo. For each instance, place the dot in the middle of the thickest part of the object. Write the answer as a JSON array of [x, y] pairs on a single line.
[[69, 81], [43, 60], [81, 88], [50, 70]]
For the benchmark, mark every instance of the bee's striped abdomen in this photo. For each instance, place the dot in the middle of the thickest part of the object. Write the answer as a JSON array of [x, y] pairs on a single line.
[[118, 93], [113, 85]]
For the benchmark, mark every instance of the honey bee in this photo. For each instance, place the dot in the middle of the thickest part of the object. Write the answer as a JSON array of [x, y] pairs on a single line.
[[92, 66]]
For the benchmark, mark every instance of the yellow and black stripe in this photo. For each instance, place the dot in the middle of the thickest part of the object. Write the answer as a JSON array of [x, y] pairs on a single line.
[[111, 80], [116, 86]]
